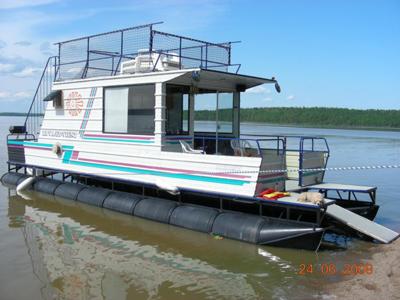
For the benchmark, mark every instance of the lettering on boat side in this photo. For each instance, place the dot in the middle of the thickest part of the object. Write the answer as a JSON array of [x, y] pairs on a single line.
[[74, 103], [58, 133]]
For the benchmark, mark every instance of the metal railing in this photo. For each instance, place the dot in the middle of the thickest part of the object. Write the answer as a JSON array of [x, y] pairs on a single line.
[[239, 146], [34, 118], [102, 54]]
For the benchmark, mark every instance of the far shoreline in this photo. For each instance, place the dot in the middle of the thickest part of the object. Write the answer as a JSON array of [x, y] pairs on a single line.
[[323, 126], [366, 128]]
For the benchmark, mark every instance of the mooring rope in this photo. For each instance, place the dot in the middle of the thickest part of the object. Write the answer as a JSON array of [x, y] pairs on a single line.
[[295, 170]]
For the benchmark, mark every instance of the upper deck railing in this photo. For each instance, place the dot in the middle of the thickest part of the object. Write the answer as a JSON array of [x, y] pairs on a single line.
[[103, 54]]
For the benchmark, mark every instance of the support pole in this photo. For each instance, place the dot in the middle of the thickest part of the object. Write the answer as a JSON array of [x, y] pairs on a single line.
[[159, 114]]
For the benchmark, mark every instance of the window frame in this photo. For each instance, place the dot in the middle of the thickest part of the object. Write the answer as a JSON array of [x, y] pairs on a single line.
[[187, 132], [214, 132], [125, 86]]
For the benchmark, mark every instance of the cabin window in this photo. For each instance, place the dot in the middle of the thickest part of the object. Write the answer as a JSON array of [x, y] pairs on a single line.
[[177, 110], [213, 112], [129, 109]]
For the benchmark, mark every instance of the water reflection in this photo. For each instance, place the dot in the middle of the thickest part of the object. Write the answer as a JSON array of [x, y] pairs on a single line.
[[79, 261]]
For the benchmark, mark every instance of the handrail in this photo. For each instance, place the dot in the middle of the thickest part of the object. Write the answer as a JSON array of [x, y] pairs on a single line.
[[109, 32], [36, 109], [203, 54], [37, 89], [302, 151], [256, 141]]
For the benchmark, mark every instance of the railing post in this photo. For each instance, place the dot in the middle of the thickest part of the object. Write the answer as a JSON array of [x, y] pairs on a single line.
[[151, 40], [201, 56], [206, 54], [55, 67], [229, 54], [59, 62], [180, 52], [85, 70]]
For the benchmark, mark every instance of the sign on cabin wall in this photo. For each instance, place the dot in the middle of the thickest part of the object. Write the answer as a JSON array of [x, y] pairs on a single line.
[[74, 103]]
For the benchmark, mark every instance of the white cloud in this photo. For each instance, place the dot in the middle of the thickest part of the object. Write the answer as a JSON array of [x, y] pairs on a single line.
[[11, 96], [260, 89], [4, 95], [27, 72], [290, 97], [22, 95], [267, 99], [9, 4], [6, 68], [23, 43]]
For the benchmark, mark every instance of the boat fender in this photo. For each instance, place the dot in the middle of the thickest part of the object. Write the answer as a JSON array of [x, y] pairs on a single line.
[[46, 185], [68, 190], [57, 149], [13, 178], [122, 202], [25, 184]]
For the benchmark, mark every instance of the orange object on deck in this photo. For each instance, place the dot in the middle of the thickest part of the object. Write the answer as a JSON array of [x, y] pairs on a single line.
[[271, 194]]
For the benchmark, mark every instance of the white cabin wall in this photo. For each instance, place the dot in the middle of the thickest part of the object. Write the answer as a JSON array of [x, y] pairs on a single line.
[[109, 155], [63, 124]]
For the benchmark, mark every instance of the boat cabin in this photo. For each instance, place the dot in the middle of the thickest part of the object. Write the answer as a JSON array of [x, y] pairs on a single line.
[[146, 106]]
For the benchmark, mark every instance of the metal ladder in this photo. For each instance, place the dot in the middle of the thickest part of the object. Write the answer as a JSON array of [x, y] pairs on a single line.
[[37, 108]]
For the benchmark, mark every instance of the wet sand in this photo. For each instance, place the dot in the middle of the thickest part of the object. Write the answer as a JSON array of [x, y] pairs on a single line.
[[383, 283]]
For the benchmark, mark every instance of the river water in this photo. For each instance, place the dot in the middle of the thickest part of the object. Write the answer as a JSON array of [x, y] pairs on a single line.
[[58, 249]]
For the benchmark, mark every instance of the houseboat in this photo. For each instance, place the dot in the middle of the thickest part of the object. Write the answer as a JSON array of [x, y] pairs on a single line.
[[115, 113]]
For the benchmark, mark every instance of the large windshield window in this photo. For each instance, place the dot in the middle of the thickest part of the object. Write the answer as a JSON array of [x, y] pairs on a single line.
[[213, 112]]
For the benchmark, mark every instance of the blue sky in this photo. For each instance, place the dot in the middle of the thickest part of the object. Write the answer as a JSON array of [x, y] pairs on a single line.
[[324, 53]]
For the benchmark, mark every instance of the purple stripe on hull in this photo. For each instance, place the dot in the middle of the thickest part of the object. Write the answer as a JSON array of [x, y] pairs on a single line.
[[162, 168], [120, 136]]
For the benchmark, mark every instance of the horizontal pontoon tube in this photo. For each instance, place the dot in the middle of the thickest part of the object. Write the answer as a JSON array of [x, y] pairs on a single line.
[[234, 225]]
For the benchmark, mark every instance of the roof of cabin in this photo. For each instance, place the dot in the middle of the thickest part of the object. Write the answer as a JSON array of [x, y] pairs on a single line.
[[201, 78]]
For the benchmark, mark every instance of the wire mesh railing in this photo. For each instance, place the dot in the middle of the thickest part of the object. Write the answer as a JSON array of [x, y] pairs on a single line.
[[103, 54]]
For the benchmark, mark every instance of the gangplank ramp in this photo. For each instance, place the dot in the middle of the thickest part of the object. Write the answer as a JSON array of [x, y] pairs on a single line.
[[361, 224]]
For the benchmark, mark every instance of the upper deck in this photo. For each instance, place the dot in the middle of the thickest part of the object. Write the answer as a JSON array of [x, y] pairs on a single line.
[[109, 54]]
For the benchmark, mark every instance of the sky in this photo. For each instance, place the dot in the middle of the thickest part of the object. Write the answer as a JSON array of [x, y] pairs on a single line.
[[324, 53]]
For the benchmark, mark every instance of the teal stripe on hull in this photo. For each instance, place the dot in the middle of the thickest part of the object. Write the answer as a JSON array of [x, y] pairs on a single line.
[[161, 174], [119, 140], [68, 154], [35, 144]]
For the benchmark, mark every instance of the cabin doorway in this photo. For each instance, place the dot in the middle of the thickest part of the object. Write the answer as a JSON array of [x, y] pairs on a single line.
[[213, 122]]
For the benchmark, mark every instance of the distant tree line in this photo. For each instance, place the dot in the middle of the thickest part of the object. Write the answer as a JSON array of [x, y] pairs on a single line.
[[306, 116], [311, 116]]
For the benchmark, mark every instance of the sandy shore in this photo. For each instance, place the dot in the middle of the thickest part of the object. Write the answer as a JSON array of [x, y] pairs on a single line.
[[383, 283]]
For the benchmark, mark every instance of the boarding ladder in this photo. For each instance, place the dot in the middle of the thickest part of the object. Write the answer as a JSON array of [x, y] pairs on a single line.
[[37, 108]]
